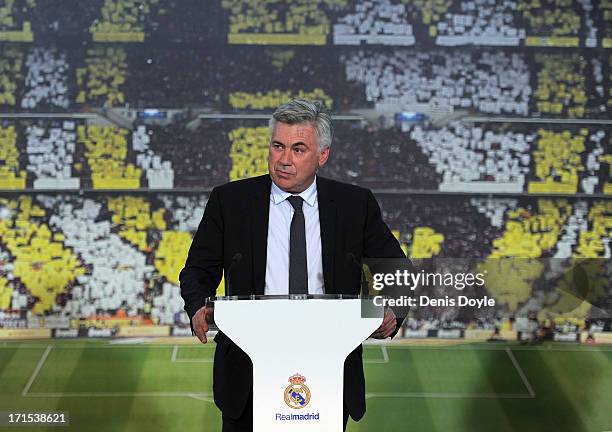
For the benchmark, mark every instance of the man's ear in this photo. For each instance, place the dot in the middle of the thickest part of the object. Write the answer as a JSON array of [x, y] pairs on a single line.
[[323, 156]]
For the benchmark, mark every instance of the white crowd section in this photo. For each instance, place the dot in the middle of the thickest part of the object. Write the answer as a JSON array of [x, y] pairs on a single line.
[[375, 22], [159, 174], [51, 149], [472, 159], [46, 81], [489, 82]]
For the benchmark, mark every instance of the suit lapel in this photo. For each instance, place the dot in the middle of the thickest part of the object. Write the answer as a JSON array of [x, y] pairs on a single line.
[[260, 211], [327, 221]]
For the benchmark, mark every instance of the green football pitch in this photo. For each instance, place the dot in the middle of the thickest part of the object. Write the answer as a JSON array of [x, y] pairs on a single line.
[[106, 386]]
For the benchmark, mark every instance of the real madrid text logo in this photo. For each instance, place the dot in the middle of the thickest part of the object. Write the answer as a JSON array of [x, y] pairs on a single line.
[[297, 395]]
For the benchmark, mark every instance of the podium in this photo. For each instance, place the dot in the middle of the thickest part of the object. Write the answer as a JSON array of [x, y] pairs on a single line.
[[298, 345]]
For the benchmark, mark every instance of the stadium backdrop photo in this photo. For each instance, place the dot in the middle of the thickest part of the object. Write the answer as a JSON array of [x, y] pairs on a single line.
[[482, 127]]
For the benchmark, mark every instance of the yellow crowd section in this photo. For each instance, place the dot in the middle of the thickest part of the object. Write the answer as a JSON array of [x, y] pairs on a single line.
[[558, 161], [11, 177], [528, 232], [103, 76], [607, 158], [510, 280], [561, 84], [513, 265], [11, 63], [6, 293], [557, 17], [106, 152], [249, 152], [11, 30], [121, 21], [303, 22], [42, 264], [274, 98], [590, 242], [133, 216], [426, 243], [171, 254]]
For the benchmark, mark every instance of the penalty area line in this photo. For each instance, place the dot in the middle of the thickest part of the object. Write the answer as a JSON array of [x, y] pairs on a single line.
[[449, 395], [518, 368], [39, 366], [174, 358], [199, 396]]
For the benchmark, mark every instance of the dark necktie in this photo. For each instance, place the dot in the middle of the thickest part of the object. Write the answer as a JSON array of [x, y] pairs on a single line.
[[298, 269]]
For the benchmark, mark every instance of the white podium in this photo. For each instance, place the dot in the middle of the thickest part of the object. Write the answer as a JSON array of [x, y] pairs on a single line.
[[298, 347]]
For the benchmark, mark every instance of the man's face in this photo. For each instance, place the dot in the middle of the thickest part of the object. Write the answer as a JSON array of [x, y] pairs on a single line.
[[294, 156]]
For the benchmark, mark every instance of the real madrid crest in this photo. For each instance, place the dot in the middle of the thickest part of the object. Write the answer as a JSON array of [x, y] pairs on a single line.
[[297, 394]]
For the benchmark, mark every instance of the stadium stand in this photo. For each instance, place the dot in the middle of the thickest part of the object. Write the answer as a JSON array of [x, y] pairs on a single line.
[[133, 218], [106, 152], [426, 243], [249, 152], [14, 23], [604, 19], [122, 21], [431, 12], [556, 20], [107, 260], [233, 78], [115, 270], [557, 161], [486, 82], [481, 22], [188, 211], [296, 23], [199, 158], [595, 241], [46, 80], [269, 100], [42, 263], [11, 75], [471, 235], [51, 149], [561, 85], [476, 160], [101, 79], [374, 22], [159, 174], [379, 158], [532, 231], [11, 174]]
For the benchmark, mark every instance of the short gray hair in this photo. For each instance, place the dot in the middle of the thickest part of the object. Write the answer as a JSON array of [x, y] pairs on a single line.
[[298, 111]]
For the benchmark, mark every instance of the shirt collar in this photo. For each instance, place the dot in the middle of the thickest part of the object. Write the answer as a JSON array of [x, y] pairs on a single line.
[[309, 195]]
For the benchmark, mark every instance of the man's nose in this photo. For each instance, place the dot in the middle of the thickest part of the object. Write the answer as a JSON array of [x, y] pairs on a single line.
[[286, 157]]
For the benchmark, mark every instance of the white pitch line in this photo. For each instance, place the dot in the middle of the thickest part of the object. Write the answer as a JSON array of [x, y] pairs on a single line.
[[385, 354], [199, 396], [518, 368], [175, 358], [109, 346], [39, 366], [548, 348], [449, 395], [499, 348]]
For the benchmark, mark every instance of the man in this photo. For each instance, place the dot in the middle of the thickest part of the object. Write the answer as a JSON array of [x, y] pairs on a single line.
[[288, 231]]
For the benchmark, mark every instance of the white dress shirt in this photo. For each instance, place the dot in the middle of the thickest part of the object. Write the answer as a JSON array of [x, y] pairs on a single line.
[[279, 226]]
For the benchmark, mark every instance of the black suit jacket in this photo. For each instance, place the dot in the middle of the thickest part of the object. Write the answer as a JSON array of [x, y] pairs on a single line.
[[236, 221]]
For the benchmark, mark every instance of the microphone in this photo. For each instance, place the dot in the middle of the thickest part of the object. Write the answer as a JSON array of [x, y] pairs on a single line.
[[364, 283], [235, 260]]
